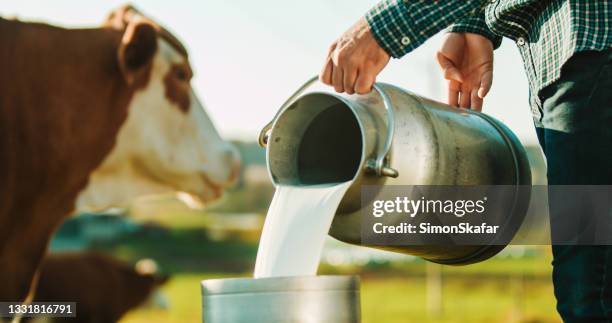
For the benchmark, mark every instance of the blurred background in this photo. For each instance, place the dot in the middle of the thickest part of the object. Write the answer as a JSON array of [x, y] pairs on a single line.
[[248, 57]]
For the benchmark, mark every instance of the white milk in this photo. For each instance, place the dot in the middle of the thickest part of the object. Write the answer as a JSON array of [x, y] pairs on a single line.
[[296, 226]]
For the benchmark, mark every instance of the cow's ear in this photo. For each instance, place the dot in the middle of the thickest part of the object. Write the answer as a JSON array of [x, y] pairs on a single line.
[[121, 17], [137, 48]]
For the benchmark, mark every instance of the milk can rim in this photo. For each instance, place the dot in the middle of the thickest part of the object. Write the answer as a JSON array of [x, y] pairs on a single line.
[[342, 98], [250, 285]]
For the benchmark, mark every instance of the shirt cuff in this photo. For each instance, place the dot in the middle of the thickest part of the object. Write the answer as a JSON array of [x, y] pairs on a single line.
[[400, 26], [476, 24]]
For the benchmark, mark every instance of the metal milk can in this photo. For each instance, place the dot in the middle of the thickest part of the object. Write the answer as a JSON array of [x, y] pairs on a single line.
[[391, 137]]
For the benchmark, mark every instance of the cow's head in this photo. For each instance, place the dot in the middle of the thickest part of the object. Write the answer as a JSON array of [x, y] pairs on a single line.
[[168, 143]]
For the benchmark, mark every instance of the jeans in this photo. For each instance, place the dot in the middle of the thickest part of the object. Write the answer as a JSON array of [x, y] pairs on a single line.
[[575, 133]]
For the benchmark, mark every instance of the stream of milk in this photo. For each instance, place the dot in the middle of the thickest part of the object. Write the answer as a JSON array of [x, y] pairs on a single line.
[[295, 229]]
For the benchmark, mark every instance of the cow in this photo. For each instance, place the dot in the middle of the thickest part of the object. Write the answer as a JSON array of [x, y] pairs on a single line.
[[91, 118], [103, 288]]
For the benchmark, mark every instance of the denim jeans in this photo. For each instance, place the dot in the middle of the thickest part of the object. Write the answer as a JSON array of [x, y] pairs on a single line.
[[575, 132]]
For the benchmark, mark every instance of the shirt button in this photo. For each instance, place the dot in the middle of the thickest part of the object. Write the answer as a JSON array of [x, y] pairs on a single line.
[[405, 40], [520, 41]]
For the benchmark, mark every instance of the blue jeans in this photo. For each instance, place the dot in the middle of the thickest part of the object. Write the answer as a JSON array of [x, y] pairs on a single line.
[[575, 132]]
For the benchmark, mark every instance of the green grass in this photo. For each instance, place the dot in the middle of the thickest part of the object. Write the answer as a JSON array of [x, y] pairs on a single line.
[[464, 300]]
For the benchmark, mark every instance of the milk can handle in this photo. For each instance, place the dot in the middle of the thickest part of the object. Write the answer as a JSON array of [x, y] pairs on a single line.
[[264, 133], [380, 164]]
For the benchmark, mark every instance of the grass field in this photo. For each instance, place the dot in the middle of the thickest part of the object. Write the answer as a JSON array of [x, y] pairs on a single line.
[[398, 299]]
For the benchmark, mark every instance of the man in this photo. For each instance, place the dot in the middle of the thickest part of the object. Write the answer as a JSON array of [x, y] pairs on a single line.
[[566, 49]]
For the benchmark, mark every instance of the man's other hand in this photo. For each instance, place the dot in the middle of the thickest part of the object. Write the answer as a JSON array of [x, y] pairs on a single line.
[[354, 61], [467, 62]]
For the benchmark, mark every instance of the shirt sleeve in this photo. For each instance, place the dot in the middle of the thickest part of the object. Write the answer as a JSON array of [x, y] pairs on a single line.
[[476, 24], [400, 26]]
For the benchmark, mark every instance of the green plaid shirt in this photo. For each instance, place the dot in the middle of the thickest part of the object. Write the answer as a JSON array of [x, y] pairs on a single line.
[[547, 32]]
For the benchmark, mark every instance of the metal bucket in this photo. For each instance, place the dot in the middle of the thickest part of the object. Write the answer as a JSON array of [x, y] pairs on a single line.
[[392, 137], [304, 299]]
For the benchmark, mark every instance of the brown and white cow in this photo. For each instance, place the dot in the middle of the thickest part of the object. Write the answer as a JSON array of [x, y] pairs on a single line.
[[92, 118]]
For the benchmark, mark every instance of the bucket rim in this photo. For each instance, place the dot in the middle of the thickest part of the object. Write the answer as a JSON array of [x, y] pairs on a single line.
[[250, 285]]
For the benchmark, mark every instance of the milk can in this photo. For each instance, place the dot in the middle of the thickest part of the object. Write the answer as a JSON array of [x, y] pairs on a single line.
[[392, 137], [299, 299]]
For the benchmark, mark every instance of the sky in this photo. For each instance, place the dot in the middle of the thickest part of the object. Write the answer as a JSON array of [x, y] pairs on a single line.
[[249, 56]]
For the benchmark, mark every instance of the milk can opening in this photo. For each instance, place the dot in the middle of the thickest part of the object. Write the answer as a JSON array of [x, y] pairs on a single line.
[[317, 140]]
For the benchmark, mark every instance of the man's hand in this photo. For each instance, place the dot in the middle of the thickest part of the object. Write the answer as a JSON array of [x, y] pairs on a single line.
[[467, 62], [354, 61]]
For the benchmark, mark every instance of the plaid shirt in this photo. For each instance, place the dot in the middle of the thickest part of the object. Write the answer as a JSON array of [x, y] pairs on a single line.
[[547, 32]]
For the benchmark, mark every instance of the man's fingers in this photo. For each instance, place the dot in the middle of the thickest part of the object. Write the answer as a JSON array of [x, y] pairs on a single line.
[[326, 74], [356, 51], [453, 93], [331, 49], [485, 84], [464, 101], [451, 72], [475, 100], [479, 93], [350, 76], [338, 79], [453, 75], [364, 82]]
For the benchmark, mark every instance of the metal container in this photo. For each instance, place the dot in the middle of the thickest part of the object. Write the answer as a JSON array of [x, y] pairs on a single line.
[[303, 299], [392, 137]]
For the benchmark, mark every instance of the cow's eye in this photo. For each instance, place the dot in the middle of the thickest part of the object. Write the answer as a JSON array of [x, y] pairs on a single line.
[[182, 75]]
